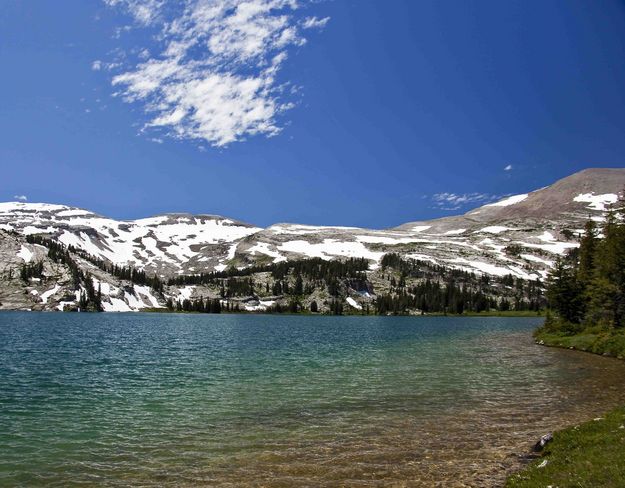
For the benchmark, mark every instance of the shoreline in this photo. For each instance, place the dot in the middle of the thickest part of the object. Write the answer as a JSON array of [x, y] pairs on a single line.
[[508, 314], [592, 451], [601, 343]]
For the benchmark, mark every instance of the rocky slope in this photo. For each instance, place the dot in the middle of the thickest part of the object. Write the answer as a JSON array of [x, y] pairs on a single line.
[[521, 235]]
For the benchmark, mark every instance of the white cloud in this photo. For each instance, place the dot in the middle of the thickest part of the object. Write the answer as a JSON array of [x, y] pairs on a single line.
[[99, 65], [508, 168], [454, 201], [143, 11], [215, 78], [315, 23], [20, 198]]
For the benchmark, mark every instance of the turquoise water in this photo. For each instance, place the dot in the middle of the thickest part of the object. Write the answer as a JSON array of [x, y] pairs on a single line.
[[240, 400]]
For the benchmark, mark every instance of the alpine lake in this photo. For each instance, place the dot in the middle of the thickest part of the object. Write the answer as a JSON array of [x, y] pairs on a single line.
[[150, 399]]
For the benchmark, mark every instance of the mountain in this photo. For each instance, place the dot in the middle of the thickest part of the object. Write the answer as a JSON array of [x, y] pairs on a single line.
[[520, 235], [164, 244]]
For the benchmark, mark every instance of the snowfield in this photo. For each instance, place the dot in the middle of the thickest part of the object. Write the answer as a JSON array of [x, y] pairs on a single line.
[[597, 202]]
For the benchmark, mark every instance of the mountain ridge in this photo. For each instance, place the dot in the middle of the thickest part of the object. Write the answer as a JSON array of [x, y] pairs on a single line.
[[521, 235]]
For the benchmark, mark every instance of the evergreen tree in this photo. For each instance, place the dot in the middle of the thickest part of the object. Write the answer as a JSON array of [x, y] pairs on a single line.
[[564, 292], [587, 253]]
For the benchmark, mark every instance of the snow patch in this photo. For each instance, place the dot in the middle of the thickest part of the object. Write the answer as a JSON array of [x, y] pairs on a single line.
[[262, 305], [146, 291], [61, 306], [353, 303], [116, 305], [263, 248], [554, 247], [385, 239], [306, 229], [331, 247], [186, 292], [72, 213], [494, 229], [597, 202], [47, 294], [491, 269], [422, 257], [506, 202], [26, 254], [546, 237], [536, 259]]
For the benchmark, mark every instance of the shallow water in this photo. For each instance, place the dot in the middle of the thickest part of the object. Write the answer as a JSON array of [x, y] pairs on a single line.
[[240, 400]]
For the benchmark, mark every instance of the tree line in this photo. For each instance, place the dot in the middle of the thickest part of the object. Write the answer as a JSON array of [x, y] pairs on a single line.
[[59, 252], [89, 298], [587, 286], [449, 290]]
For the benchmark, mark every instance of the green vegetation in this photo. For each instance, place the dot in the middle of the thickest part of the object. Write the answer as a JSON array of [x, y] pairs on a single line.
[[313, 268], [586, 295], [291, 281], [588, 455], [506, 313], [34, 270], [199, 305], [586, 291], [437, 289], [605, 342]]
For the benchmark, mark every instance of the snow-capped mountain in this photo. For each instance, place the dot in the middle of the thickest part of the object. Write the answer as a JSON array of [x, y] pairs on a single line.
[[520, 235], [164, 244]]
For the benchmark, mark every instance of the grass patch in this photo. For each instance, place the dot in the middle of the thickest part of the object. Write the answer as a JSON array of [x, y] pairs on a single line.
[[491, 313], [607, 343], [589, 455], [506, 313]]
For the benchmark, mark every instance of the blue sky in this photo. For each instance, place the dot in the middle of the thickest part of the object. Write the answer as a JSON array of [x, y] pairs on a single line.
[[346, 112]]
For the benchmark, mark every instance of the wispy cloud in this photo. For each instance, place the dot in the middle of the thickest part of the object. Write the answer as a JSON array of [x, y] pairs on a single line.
[[215, 78], [144, 11], [20, 198], [315, 23], [508, 168], [455, 201]]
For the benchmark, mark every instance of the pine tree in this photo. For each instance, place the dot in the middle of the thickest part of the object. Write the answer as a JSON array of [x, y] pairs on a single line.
[[587, 253], [299, 285], [564, 292]]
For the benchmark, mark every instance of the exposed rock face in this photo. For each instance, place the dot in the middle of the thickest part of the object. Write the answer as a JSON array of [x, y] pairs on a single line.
[[55, 289], [520, 235]]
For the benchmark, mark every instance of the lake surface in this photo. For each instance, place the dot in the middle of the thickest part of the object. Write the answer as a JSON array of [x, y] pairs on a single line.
[[280, 401]]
